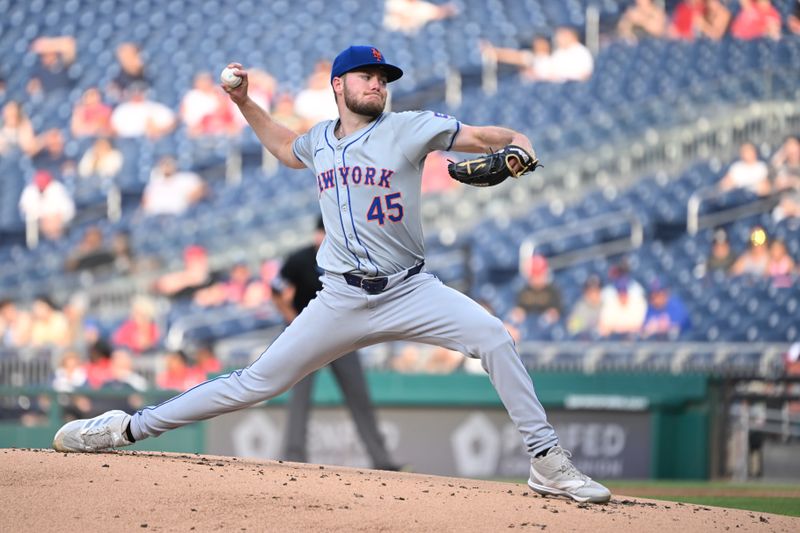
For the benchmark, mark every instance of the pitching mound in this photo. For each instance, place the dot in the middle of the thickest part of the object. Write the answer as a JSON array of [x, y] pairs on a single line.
[[41, 490]]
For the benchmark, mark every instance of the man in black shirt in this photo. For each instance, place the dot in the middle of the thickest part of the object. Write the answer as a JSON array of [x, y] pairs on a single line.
[[293, 289], [131, 71], [540, 297]]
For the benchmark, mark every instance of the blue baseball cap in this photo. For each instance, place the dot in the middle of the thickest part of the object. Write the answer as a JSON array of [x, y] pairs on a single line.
[[363, 56]]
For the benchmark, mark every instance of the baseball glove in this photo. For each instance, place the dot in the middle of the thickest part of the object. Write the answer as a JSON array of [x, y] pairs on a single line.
[[492, 169]]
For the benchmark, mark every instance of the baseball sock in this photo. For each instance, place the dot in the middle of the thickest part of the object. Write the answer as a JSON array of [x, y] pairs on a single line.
[[542, 453], [128, 434]]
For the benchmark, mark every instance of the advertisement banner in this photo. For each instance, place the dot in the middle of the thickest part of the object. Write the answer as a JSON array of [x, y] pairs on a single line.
[[464, 442]]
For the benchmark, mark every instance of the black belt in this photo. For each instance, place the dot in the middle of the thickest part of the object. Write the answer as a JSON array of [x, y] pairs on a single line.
[[377, 285]]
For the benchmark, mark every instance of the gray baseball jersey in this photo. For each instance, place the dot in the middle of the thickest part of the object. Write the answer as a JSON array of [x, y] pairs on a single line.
[[369, 191]]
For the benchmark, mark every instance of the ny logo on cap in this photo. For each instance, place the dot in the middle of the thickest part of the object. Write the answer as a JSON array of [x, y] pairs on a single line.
[[377, 55]]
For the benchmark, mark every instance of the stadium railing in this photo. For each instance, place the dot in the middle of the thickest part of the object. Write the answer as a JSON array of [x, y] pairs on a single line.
[[632, 240], [695, 221]]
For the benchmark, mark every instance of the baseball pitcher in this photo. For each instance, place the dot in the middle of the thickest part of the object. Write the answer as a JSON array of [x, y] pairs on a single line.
[[367, 167]]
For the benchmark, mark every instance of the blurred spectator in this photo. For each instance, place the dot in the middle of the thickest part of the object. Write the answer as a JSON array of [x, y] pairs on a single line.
[[686, 19], [90, 252], [82, 332], [124, 381], [585, 316], [747, 173], [415, 358], [49, 326], [643, 18], [621, 270], [284, 113], [316, 102], [714, 22], [16, 131], [541, 297], [51, 74], [177, 374], [48, 154], [534, 64], [409, 16], [206, 360], [91, 117], [259, 290], [721, 257], [781, 266], [667, 316], [785, 165], [755, 260], [70, 373], [229, 291], [196, 274], [122, 376], [788, 207], [98, 371], [756, 19], [100, 161], [131, 71], [47, 200], [170, 192], [205, 109], [794, 18], [15, 325], [571, 60], [622, 314], [435, 177], [140, 117], [125, 260], [139, 332]]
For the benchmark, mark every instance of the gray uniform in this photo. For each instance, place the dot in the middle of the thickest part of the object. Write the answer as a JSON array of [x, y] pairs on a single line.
[[374, 287]]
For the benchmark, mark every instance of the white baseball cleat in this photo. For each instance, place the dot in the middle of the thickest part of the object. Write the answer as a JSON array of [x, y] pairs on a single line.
[[102, 432], [554, 474]]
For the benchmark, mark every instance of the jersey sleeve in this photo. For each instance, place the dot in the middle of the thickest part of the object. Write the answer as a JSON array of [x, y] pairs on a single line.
[[419, 133], [302, 148], [305, 145]]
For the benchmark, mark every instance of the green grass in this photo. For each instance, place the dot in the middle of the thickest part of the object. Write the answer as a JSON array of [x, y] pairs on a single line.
[[695, 484], [784, 506], [765, 502], [776, 503]]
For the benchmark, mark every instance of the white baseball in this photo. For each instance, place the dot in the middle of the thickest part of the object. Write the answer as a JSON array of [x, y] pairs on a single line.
[[229, 79]]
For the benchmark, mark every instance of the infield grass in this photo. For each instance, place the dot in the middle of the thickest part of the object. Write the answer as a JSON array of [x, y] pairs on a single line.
[[758, 497]]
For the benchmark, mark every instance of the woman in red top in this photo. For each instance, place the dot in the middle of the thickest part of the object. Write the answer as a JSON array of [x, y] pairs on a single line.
[[91, 117], [686, 18], [139, 333], [756, 19], [177, 374]]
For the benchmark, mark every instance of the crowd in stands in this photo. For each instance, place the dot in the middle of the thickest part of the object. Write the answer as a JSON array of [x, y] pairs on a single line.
[[126, 109], [779, 175], [567, 59], [612, 305], [620, 309], [570, 60]]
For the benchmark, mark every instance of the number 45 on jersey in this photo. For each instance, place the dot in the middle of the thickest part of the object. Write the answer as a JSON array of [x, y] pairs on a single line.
[[393, 210]]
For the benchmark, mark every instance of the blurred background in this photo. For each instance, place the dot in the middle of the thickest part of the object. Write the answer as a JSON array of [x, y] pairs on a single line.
[[648, 271]]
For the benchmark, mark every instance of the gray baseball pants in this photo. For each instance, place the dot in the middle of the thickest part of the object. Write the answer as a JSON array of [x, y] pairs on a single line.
[[343, 318]]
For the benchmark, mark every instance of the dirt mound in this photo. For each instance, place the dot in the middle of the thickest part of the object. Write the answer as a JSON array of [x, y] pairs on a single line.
[[41, 490]]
